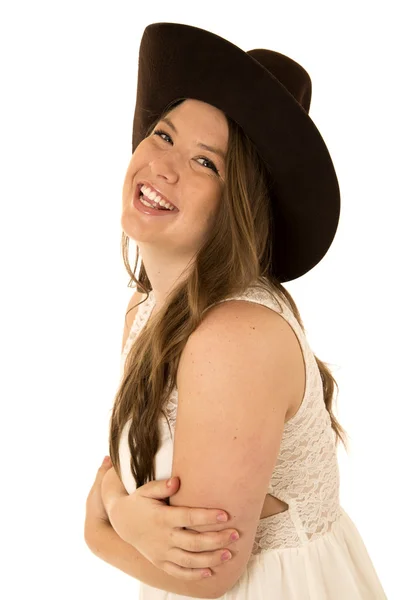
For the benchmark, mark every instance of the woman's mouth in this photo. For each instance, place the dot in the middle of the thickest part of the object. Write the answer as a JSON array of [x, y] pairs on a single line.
[[153, 199], [148, 206]]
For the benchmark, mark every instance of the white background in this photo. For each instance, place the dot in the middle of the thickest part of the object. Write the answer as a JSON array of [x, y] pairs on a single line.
[[68, 90]]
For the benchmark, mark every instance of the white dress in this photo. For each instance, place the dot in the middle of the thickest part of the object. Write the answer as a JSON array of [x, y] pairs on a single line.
[[313, 550]]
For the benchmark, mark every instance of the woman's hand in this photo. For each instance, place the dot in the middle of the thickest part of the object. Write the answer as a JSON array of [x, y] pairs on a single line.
[[144, 520]]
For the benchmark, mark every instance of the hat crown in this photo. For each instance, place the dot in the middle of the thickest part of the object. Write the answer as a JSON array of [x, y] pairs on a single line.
[[288, 72], [268, 95]]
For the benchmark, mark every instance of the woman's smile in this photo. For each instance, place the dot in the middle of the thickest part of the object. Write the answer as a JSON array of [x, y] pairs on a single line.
[[139, 203]]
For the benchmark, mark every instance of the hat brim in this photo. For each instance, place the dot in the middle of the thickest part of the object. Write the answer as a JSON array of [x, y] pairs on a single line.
[[181, 61]]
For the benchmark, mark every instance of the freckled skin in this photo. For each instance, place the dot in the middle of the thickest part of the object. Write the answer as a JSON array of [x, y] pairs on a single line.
[[183, 173]]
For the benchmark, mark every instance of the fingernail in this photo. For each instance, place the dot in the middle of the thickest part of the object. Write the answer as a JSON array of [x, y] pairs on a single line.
[[234, 537], [222, 517]]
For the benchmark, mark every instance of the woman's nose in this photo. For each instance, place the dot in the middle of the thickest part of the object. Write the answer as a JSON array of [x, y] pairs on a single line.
[[164, 168]]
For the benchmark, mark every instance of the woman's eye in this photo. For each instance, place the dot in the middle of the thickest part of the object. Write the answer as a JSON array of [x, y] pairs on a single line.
[[213, 167], [160, 132]]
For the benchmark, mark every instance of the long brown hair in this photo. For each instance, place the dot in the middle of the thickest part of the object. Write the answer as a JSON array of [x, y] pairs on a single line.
[[236, 254]]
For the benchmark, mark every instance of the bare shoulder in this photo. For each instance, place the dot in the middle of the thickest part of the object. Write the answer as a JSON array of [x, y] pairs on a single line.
[[245, 315], [245, 330], [252, 332], [235, 385], [239, 319]]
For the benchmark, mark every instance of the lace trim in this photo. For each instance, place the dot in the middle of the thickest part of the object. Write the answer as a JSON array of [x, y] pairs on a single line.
[[306, 473], [142, 315]]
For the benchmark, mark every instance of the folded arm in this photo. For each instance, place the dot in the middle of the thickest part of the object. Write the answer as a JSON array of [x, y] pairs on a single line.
[[106, 544], [112, 489]]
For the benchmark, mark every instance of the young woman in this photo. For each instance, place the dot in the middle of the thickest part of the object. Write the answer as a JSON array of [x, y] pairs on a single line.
[[230, 191]]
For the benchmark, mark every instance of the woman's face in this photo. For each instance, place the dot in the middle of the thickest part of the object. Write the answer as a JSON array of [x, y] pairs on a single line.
[[191, 177]]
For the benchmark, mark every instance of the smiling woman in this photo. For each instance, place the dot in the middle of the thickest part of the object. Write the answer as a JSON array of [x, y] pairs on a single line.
[[170, 162], [253, 432]]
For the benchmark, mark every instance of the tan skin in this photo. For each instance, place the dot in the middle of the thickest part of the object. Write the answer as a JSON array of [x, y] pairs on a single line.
[[187, 175], [271, 504], [191, 178], [183, 173]]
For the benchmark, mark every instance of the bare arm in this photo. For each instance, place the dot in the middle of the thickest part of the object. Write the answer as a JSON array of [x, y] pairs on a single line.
[[106, 544]]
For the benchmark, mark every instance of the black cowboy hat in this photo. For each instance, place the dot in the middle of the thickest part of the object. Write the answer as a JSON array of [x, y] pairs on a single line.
[[268, 95]]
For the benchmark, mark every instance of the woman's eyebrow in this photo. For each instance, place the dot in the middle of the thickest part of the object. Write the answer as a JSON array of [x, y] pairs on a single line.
[[204, 146]]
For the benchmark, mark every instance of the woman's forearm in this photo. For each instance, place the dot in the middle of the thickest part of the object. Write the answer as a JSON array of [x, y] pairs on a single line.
[[106, 544]]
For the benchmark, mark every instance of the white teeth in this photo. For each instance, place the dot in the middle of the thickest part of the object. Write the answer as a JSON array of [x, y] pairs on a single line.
[[143, 201], [155, 197]]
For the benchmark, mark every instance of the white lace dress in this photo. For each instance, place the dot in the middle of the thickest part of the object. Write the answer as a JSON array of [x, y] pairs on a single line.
[[312, 551]]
